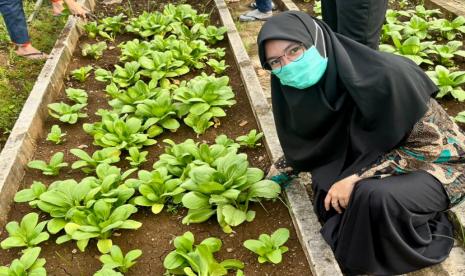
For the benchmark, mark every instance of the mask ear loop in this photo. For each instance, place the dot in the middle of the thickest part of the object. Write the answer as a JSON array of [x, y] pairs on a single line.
[[317, 31]]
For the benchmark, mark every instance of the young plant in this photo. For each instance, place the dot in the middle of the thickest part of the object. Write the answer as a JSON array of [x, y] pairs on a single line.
[[450, 29], [217, 66], [136, 158], [116, 259], [66, 113], [82, 73], [122, 76], [390, 30], [460, 117], [202, 99], [417, 26], [251, 140], [91, 29], [88, 164], [317, 9], [424, 13], [55, 135], [126, 101], [78, 96], [190, 259], [162, 65], [134, 49], [392, 16], [26, 234], [150, 24], [94, 50], [53, 168], [27, 264], [411, 48], [32, 194], [212, 34], [177, 157], [269, 248], [448, 82], [111, 26], [156, 188], [113, 131], [447, 52]]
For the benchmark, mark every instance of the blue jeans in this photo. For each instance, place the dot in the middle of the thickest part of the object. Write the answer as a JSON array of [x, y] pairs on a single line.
[[15, 20], [262, 5]]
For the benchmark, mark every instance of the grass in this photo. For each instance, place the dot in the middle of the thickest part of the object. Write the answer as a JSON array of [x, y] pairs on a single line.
[[17, 75]]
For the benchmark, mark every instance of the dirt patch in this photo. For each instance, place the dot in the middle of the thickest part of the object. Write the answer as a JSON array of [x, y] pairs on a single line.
[[155, 236]]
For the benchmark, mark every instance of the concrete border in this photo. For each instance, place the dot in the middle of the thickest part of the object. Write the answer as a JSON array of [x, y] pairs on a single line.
[[20, 146], [319, 255], [449, 7]]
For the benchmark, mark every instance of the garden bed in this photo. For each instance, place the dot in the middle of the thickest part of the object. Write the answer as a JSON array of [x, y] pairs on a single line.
[[155, 236]]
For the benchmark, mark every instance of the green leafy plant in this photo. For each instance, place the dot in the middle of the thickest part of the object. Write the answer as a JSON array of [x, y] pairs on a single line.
[[424, 13], [225, 188], [449, 29], [217, 66], [28, 233], [32, 194], [448, 82], [190, 259], [251, 140], [125, 101], [212, 34], [317, 9], [122, 76], [411, 48], [82, 73], [446, 52], [105, 271], [134, 49], [91, 29], [460, 117], [94, 50], [52, 168], [55, 135], [77, 95], [392, 16], [417, 26], [177, 157], [162, 65], [110, 26], [113, 131], [88, 164], [156, 188], [390, 30], [116, 259], [136, 157], [28, 264], [149, 24], [202, 99], [269, 248], [66, 113]]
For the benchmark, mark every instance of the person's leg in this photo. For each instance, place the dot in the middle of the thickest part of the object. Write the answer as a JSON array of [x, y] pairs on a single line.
[[392, 225], [15, 21], [329, 13], [361, 20], [263, 11]]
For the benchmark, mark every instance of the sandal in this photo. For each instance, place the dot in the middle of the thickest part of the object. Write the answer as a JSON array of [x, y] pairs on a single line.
[[35, 56]]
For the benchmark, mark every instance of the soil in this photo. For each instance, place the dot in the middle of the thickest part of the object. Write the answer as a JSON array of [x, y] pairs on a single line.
[[157, 232]]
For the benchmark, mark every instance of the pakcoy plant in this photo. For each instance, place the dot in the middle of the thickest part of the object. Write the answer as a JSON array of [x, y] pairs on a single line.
[[111, 26], [55, 135], [157, 189], [190, 259], [118, 260], [82, 73], [122, 76], [449, 29], [251, 140], [225, 189], [149, 24], [66, 113], [95, 50], [217, 66], [426, 14], [418, 27], [448, 82], [136, 157], [52, 168], [269, 248], [162, 65], [134, 49], [28, 264], [89, 163], [77, 95], [177, 157], [446, 52], [28, 233], [125, 101], [411, 48], [32, 194], [113, 131], [202, 99]]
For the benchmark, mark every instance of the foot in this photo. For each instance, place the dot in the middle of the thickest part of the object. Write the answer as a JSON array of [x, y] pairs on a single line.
[[255, 15], [253, 5], [30, 52], [57, 8]]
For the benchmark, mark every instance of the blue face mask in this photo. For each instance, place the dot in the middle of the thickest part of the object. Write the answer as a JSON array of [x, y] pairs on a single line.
[[304, 72]]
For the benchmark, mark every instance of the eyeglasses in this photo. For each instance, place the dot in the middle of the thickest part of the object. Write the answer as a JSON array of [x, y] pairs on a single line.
[[293, 52]]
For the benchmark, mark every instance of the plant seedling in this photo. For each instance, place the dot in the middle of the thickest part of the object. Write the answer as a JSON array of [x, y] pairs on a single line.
[[448, 82], [53, 168], [269, 248], [82, 73], [136, 157], [27, 264], [66, 113], [217, 66], [32, 194], [88, 164], [116, 259], [78, 96], [251, 140], [28, 233], [94, 50], [56, 135]]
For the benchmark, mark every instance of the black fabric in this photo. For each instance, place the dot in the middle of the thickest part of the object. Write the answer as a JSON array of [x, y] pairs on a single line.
[[364, 105], [393, 225], [360, 20]]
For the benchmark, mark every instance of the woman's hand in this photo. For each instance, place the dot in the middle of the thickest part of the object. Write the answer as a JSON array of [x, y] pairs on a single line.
[[339, 194], [76, 9]]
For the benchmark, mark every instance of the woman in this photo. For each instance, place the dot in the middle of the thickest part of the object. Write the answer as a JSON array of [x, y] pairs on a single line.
[[386, 160]]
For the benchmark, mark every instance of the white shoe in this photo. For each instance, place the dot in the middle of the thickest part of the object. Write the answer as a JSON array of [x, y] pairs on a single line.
[[253, 5], [255, 15]]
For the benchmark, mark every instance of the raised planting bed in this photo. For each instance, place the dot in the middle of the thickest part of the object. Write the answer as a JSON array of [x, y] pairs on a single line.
[[155, 236]]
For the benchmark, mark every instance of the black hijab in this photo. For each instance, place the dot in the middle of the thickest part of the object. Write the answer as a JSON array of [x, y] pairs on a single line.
[[365, 104]]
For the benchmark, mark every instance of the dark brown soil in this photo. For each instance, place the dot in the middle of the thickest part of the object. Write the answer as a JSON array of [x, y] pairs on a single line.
[[155, 236]]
